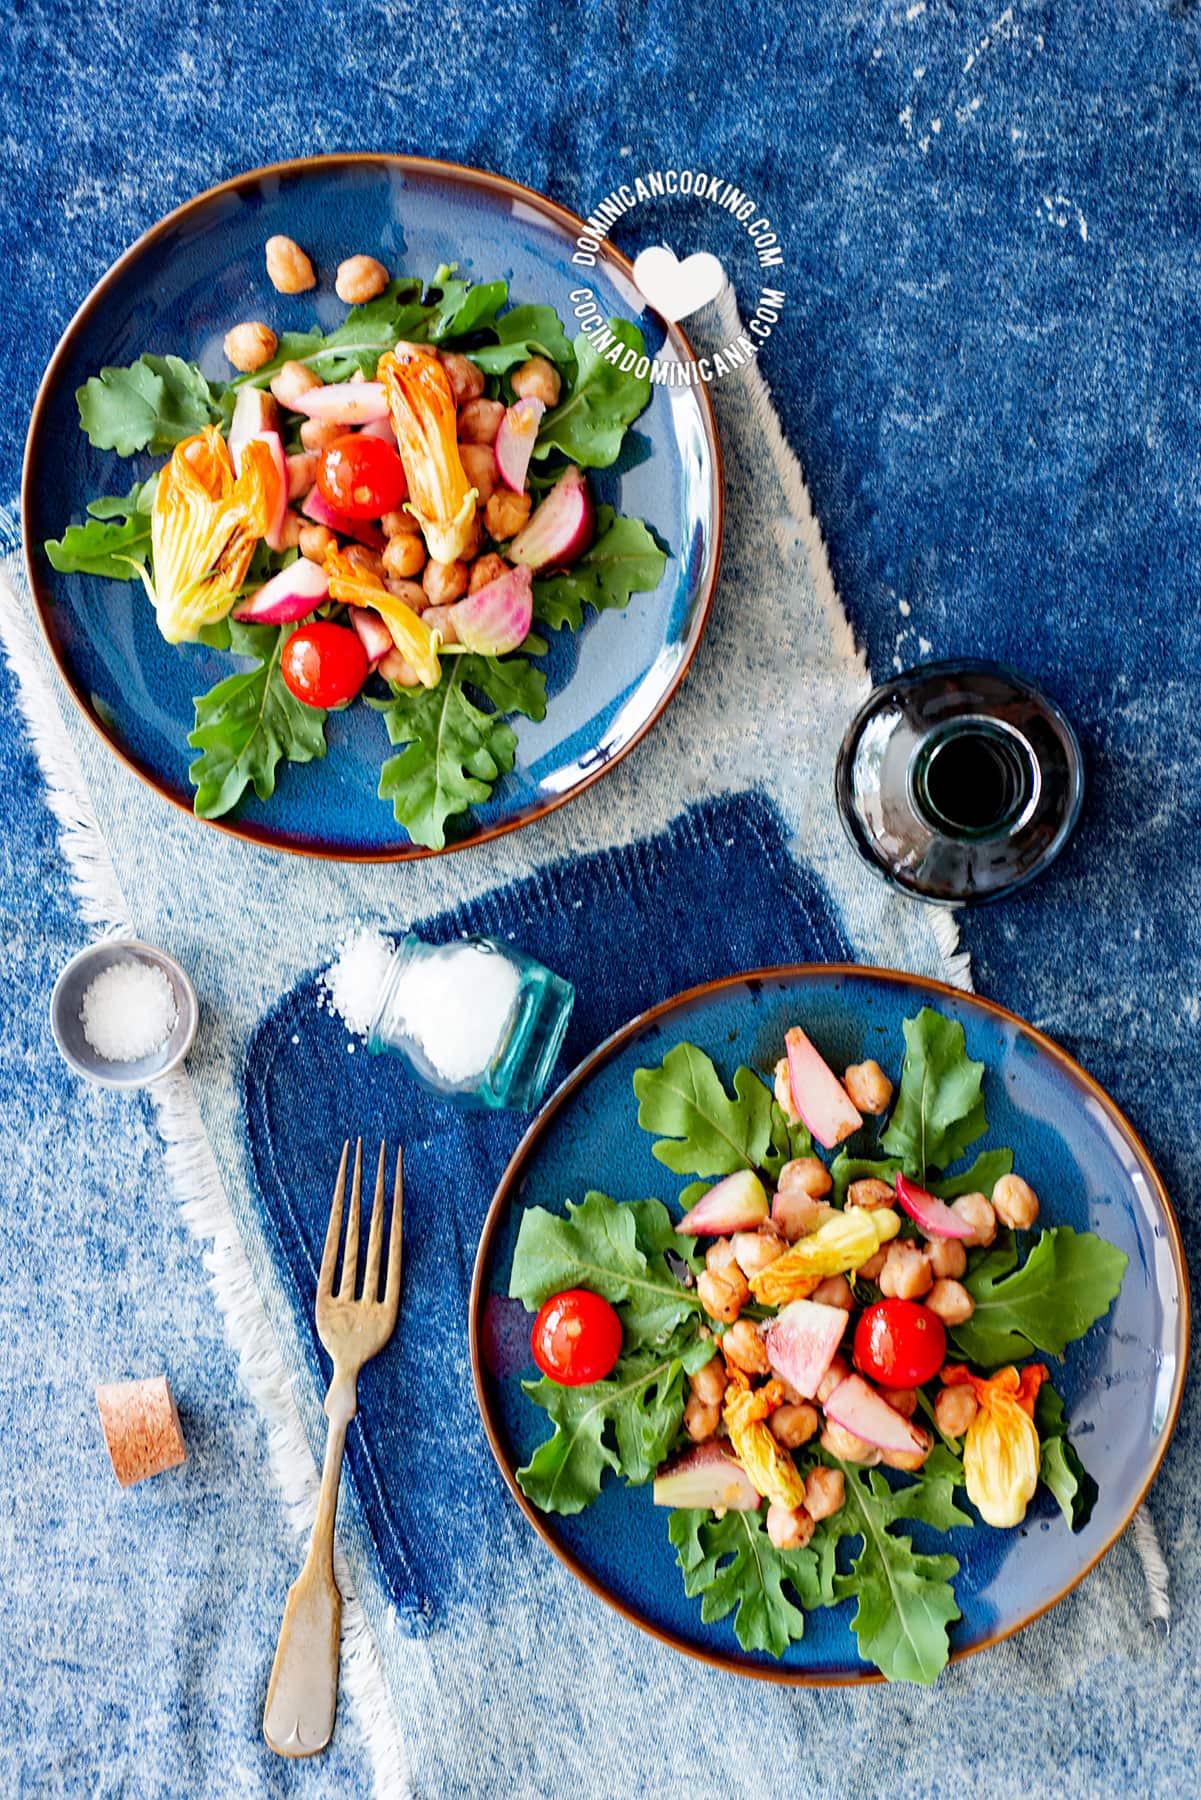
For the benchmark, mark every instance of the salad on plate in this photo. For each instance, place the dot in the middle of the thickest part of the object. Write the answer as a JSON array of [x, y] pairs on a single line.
[[824, 1348], [395, 511]]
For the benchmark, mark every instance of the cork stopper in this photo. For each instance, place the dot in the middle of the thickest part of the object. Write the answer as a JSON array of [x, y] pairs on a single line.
[[141, 1428]]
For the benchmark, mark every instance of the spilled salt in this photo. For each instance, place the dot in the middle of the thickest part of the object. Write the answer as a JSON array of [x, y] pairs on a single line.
[[128, 1011], [456, 1005], [355, 980]]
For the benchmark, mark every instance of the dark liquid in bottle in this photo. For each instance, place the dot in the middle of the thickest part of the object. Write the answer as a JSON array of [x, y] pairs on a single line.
[[971, 781]]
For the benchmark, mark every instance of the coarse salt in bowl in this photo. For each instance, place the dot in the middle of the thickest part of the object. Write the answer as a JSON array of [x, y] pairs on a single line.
[[123, 1013]]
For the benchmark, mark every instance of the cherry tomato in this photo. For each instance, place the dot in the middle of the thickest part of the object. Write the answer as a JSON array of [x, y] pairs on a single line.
[[362, 477], [576, 1338], [323, 664], [899, 1343]]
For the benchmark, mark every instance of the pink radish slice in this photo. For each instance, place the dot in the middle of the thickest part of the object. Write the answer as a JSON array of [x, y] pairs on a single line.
[[345, 402], [859, 1408], [738, 1203], [817, 1093], [560, 529], [801, 1341], [292, 594], [373, 634], [380, 428], [255, 411], [515, 442], [317, 508], [497, 617], [934, 1217], [709, 1476]]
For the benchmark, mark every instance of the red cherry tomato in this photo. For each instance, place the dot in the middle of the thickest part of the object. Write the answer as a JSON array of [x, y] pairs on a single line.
[[899, 1343], [576, 1338], [323, 664], [362, 477]]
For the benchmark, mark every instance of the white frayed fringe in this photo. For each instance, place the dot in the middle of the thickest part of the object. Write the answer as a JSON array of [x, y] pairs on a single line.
[[197, 1185], [1155, 1568]]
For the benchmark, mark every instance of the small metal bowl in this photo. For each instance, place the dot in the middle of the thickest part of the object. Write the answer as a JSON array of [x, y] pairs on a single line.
[[66, 1003]]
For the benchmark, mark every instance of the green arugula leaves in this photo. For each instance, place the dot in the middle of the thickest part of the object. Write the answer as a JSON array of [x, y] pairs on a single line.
[[734, 1566], [250, 723], [704, 1131], [589, 423], [114, 538], [939, 1107], [1068, 1281], [624, 559], [154, 404], [522, 332], [1060, 1468]]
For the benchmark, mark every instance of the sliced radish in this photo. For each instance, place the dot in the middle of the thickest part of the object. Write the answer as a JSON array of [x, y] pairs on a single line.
[[934, 1217], [498, 616], [380, 428], [255, 411], [738, 1203], [560, 529], [292, 594], [817, 1093], [801, 1342], [317, 508], [858, 1408], [373, 634], [345, 402], [515, 442], [709, 1476]]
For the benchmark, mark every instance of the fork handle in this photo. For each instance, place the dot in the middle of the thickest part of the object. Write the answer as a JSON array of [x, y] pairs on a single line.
[[302, 1695]]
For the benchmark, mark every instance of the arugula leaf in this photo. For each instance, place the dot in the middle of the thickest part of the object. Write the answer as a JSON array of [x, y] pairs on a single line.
[[1060, 1468], [153, 404], [624, 559], [905, 1599], [735, 1567], [455, 749], [845, 1169], [522, 332], [788, 1140], [1066, 1283], [981, 1178], [939, 1109], [353, 347], [115, 536], [462, 308], [249, 723], [704, 1131], [588, 425]]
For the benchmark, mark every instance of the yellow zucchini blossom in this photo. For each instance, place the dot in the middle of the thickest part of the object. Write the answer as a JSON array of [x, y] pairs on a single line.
[[412, 637], [425, 421], [838, 1246], [771, 1470], [204, 525], [1001, 1448]]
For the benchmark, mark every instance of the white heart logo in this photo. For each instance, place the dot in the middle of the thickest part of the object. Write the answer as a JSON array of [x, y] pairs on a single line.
[[675, 289]]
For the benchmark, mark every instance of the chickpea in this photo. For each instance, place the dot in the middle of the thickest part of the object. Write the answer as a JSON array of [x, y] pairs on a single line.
[[951, 1301], [783, 1092], [709, 1382], [360, 278], [701, 1421], [805, 1175], [947, 1257], [404, 554], [720, 1258], [362, 557], [293, 525], [399, 524], [479, 466], [466, 381], [835, 1290], [906, 1273], [847, 1447], [250, 345], [796, 1215], [722, 1296], [316, 434], [397, 668], [754, 1250], [909, 1460], [288, 268], [537, 380], [975, 1211], [294, 380], [302, 473], [788, 1527], [837, 1372], [1015, 1202], [411, 592], [474, 541], [870, 1270], [505, 514], [314, 541], [440, 619], [868, 1087], [825, 1491], [444, 583], [479, 421], [743, 1346], [954, 1410], [794, 1425], [487, 568], [870, 1194], [902, 1400]]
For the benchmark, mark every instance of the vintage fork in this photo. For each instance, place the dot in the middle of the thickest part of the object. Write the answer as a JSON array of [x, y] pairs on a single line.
[[302, 1697]]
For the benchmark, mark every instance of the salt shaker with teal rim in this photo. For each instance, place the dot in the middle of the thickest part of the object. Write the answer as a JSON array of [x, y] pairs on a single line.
[[475, 1020]]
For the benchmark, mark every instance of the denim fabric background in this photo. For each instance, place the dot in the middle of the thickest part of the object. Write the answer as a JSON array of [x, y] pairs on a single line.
[[989, 366]]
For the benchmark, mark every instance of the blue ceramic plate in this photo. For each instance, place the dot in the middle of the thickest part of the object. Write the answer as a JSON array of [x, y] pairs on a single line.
[[179, 290], [1121, 1384]]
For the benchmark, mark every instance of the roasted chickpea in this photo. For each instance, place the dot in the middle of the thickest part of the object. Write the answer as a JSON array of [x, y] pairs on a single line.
[[709, 1382], [314, 541], [954, 1410], [293, 525], [316, 434], [796, 1215], [906, 1273], [701, 1420], [250, 345], [788, 1527], [805, 1175], [479, 466], [825, 1491], [975, 1211], [902, 1400], [360, 278], [793, 1425], [466, 381], [484, 570], [1015, 1202], [947, 1257], [404, 554], [847, 1447], [288, 268], [479, 421], [909, 1460], [293, 381], [399, 524], [783, 1092], [743, 1346], [837, 1372], [363, 557], [302, 473], [442, 620], [411, 592], [537, 379], [754, 1250], [868, 1087], [444, 582], [835, 1290], [870, 1194], [505, 514], [397, 668], [951, 1301], [870, 1270]]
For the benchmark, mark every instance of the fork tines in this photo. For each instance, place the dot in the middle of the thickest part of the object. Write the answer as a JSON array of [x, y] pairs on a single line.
[[346, 1287]]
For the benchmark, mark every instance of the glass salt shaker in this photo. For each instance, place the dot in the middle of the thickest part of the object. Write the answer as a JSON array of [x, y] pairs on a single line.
[[475, 1019]]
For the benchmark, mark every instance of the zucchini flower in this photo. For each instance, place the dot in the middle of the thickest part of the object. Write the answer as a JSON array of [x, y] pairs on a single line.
[[203, 528], [771, 1470], [838, 1247], [1001, 1448], [412, 637], [422, 405]]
